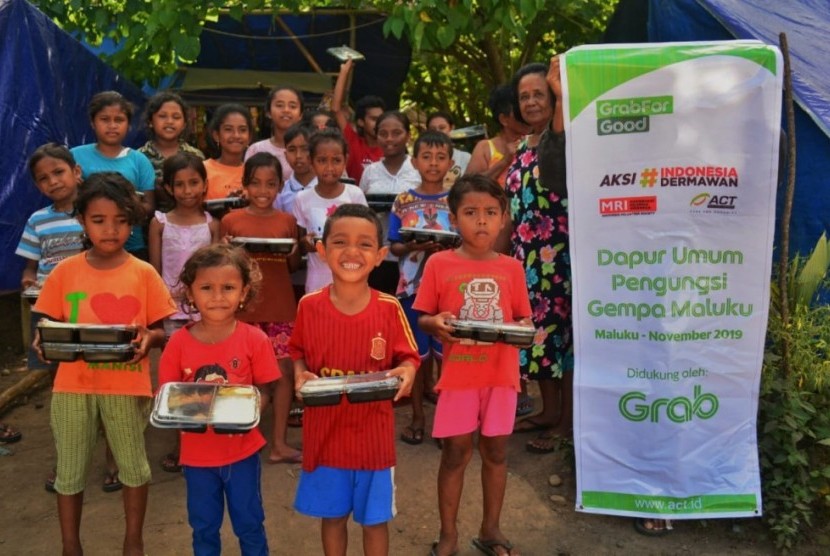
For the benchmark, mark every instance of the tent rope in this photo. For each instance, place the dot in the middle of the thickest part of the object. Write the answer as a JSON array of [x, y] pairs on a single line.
[[311, 36]]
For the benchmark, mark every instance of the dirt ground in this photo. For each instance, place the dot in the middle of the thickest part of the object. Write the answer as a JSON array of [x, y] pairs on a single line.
[[535, 523]]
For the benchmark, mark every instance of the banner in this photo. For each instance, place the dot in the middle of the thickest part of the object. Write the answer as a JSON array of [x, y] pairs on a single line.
[[672, 158]]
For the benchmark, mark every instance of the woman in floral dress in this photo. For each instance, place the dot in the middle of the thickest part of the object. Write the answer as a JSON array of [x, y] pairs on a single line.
[[538, 208]]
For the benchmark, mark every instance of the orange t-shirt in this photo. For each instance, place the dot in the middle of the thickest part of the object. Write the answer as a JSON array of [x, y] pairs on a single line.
[[132, 293], [223, 181], [275, 301]]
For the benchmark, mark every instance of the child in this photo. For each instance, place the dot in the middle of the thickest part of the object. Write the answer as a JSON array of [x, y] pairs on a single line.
[[276, 307], [175, 235], [51, 234], [110, 115], [283, 108], [478, 383], [493, 157], [230, 130], [422, 207], [319, 119], [302, 175], [313, 206], [218, 281], [349, 449], [104, 285], [393, 174], [166, 119], [443, 122], [363, 144]]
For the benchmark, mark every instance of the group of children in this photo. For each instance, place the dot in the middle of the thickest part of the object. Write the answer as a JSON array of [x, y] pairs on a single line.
[[223, 315]]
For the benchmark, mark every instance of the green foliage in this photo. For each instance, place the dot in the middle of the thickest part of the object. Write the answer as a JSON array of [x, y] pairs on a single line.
[[462, 48], [794, 407]]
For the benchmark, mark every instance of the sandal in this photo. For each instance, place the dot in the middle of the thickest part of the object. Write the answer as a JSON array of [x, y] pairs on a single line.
[[488, 546], [545, 443], [295, 417], [111, 482], [49, 483], [8, 435], [530, 425], [170, 463], [652, 527], [412, 435], [524, 405]]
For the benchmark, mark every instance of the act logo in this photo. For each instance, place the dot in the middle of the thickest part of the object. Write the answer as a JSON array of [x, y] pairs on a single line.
[[713, 202]]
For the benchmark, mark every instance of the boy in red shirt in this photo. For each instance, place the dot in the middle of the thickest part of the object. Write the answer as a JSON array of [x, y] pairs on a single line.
[[347, 328], [479, 381]]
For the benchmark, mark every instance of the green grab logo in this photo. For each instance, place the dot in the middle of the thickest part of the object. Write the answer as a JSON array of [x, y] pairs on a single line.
[[630, 115], [678, 410]]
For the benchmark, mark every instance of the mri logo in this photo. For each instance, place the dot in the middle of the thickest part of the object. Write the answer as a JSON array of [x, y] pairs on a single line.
[[631, 115]]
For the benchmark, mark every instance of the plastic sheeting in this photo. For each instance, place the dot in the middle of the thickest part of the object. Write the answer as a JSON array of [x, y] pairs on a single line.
[[806, 23], [47, 81]]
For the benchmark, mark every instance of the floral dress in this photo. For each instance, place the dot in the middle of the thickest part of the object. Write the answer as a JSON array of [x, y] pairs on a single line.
[[540, 241]]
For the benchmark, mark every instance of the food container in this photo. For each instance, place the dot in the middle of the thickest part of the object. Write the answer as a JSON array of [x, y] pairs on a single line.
[[371, 387], [380, 202], [344, 53], [91, 353], [282, 246], [60, 352], [225, 203], [52, 331], [323, 391], [420, 235], [367, 387], [31, 293], [513, 334], [193, 406]]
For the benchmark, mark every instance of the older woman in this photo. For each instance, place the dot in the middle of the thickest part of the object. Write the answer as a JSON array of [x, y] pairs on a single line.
[[538, 207]]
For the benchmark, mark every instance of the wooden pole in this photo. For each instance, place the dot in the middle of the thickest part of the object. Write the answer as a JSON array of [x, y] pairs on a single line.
[[33, 381], [784, 258], [306, 54]]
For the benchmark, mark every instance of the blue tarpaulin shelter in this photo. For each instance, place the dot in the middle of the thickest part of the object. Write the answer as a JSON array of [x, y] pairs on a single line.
[[47, 81], [807, 25]]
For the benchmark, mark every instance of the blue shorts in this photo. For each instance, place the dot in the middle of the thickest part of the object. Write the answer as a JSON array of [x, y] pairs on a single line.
[[328, 492], [426, 343]]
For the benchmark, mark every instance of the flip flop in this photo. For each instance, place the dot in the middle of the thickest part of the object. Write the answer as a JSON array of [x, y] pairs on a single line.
[[8, 435], [530, 425], [524, 406], [295, 417], [433, 551], [170, 463], [111, 482], [488, 546], [296, 457], [415, 436], [649, 527], [550, 443]]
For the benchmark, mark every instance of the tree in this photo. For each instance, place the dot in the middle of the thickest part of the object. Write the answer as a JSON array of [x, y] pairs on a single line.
[[461, 48], [464, 48]]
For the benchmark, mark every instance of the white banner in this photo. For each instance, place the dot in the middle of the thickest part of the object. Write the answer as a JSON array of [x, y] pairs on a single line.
[[672, 157]]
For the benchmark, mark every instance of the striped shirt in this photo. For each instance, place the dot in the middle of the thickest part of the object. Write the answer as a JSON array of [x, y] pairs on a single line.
[[49, 237], [358, 436]]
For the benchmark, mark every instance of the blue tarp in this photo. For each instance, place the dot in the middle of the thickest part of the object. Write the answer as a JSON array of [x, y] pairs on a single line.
[[48, 79], [807, 25]]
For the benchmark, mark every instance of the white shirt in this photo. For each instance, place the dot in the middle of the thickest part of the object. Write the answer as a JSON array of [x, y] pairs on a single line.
[[311, 212]]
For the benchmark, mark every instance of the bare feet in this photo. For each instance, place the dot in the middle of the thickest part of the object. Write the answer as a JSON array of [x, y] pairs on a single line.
[[285, 454]]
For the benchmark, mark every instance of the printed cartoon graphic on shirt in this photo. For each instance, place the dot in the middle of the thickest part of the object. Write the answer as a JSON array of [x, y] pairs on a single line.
[[213, 373], [481, 301]]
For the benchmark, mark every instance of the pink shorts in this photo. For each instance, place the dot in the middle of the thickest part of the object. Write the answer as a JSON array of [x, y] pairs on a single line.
[[460, 412], [279, 333]]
